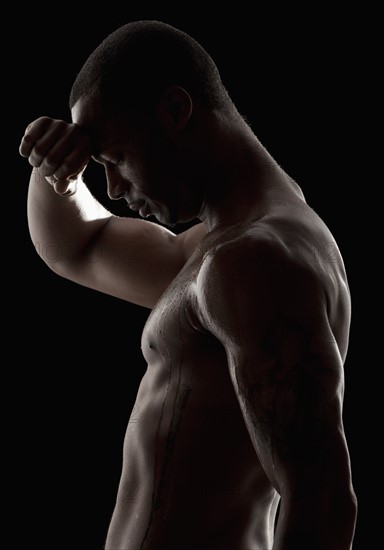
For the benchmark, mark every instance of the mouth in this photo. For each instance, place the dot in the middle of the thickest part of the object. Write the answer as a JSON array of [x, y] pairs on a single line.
[[145, 211], [135, 206], [141, 207]]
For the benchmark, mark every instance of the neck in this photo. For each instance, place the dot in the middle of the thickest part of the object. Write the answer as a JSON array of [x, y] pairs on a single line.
[[243, 179]]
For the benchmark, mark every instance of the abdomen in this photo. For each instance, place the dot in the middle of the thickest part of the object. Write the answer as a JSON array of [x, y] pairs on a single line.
[[189, 465]]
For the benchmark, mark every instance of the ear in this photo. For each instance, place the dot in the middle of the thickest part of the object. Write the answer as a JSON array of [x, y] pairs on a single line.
[[174, 109]]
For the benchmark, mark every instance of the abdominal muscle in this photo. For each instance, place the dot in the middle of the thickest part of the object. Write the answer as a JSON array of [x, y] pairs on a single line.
[[191, 477]]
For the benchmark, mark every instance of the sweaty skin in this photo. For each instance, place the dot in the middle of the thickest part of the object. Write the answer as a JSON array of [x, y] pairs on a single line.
[[189, 462], [240, 408]]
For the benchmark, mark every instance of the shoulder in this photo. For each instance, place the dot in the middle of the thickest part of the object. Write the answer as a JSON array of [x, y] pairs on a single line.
[[255, 275], [261, 256]]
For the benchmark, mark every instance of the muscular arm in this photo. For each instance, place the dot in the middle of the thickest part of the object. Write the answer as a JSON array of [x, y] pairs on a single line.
[[79, 239], [270, 314]]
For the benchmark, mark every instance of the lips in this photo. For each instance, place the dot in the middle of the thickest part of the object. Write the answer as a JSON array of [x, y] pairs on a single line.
[[141, 207], [135, 206], [144, 211]]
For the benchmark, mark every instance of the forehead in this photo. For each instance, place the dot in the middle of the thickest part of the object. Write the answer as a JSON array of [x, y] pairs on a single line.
[[87, 113], [105, 132]]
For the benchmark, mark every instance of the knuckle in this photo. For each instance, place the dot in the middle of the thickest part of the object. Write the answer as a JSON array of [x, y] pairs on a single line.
[[60, 124], [38, 150], [64, 171], [47, 169], [39, 125], [44, 171], [42, 119], [33, 161], [27, 140], [24, 148]]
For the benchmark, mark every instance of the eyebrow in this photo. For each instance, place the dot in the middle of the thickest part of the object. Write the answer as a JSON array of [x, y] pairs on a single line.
[[97, 153]]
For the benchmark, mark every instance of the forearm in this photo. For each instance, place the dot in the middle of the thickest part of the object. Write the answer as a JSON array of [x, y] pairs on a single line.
[[318, 523], [61, 226]]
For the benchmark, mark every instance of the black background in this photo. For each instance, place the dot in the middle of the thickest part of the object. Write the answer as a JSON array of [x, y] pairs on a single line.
[[74, 354]]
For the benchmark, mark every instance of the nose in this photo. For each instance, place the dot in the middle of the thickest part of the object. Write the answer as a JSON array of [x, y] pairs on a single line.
[[116, 185]]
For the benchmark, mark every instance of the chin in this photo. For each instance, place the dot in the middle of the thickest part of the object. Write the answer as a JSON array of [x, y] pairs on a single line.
[[165, 217], [171, 218], [163, 220], [178, 221]]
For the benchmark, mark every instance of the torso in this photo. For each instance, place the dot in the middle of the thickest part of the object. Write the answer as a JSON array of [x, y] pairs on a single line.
[[191, 477]]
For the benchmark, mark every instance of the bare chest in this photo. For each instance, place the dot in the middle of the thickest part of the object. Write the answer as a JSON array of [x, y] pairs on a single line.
[[174, 330]]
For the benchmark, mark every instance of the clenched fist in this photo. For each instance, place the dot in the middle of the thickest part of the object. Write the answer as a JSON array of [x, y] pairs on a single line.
[[59, 150]]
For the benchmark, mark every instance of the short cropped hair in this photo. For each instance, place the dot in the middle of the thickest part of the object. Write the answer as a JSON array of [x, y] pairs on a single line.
[[133, 65]]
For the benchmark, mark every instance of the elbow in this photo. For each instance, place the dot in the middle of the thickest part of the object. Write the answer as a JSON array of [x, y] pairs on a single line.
[[324, 521]]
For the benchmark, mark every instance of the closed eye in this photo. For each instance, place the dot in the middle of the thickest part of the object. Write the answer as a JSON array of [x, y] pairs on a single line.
[[97, 159], [102, 160]]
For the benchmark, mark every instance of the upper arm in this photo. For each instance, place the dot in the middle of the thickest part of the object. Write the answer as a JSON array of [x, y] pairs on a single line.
[[132, 259], [269, 312]]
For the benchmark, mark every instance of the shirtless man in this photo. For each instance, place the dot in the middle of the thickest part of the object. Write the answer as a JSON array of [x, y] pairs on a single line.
[[240, 409]]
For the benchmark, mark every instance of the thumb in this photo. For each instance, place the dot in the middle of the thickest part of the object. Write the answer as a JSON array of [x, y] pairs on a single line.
[[64, 187]]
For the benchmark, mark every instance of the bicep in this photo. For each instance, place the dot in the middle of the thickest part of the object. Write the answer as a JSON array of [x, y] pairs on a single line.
[[129, 258]]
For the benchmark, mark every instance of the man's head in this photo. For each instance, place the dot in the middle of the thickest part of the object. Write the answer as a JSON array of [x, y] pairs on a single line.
[[131, 68], [138, 94]]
